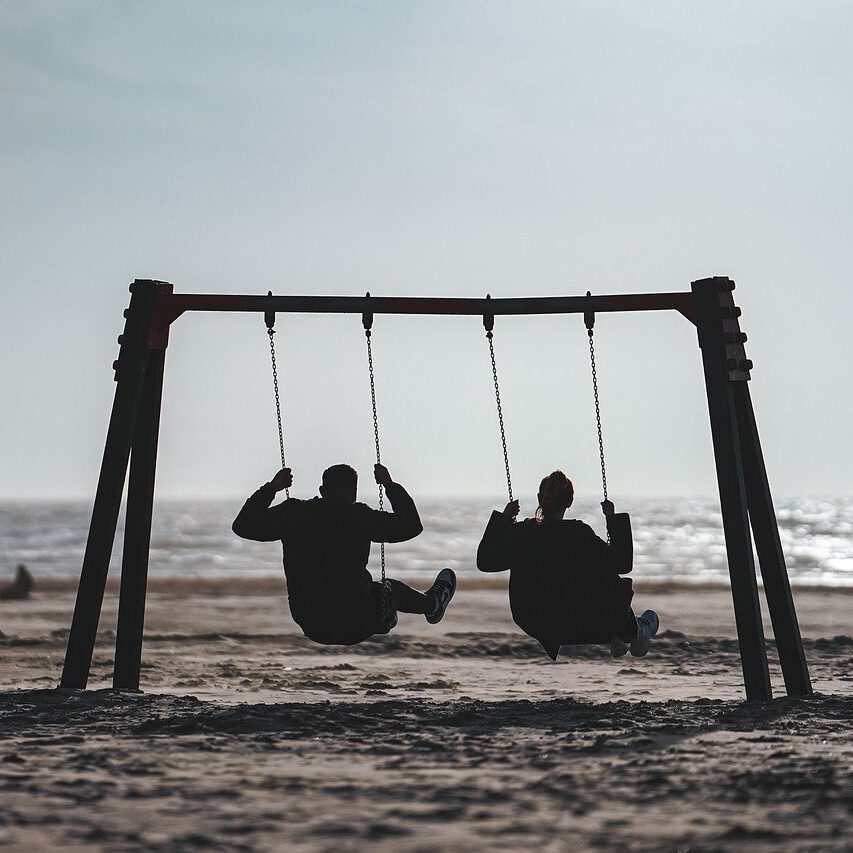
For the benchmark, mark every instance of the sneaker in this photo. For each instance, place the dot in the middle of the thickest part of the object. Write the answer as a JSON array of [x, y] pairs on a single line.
[[442, 590], [618, 647], [647, 626]]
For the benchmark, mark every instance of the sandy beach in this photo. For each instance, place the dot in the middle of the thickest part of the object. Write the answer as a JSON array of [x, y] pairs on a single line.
[[453, 737]]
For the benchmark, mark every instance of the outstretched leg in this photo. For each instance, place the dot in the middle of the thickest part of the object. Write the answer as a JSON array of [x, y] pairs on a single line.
[[408, 600], [432, 603]]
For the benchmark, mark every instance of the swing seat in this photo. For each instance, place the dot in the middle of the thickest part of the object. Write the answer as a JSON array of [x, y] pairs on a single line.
[[596, 625], [552, 647], [350, 629]]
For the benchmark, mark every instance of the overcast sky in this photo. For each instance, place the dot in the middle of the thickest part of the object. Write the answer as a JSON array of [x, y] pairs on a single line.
[[425, 148]]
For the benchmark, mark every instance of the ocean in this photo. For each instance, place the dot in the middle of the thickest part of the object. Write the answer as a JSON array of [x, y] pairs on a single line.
[[675, 539]]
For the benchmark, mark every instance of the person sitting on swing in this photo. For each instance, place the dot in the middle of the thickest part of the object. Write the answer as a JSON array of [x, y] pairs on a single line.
[[565, 584], [326, 543]]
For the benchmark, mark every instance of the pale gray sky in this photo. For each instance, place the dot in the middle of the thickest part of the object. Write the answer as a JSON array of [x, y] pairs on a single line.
[[439, 148]]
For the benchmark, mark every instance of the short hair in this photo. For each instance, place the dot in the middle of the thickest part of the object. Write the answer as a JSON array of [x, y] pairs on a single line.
[[340, 478]]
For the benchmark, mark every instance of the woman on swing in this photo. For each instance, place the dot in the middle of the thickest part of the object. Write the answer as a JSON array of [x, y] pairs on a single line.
[[565, 585]]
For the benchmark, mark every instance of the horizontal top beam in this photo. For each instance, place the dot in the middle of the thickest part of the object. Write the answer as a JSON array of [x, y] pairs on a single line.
[[172, 305], [431, 304]]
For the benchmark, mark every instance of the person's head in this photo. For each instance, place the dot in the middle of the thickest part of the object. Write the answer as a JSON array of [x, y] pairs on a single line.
[[556, 494], [340, 482]]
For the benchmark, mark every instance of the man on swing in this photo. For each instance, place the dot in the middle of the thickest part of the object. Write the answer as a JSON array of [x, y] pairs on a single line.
[[326, 543]]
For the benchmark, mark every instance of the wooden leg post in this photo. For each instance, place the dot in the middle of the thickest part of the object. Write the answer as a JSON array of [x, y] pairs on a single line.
[[137, 530], [768, 545], [711, 294], [130, 368]]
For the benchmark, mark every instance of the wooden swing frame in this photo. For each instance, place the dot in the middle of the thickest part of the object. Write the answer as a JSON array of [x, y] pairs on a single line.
[[132, 437]]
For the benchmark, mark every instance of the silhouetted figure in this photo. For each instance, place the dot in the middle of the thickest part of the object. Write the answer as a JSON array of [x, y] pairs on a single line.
[[19, 588], [565, 585], [326, 542]]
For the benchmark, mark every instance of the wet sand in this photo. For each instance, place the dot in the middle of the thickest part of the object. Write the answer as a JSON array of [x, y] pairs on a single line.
[[460, 736]]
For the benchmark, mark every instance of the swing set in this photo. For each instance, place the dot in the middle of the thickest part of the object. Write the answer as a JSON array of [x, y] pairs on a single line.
[[132, 437], [489, 325]]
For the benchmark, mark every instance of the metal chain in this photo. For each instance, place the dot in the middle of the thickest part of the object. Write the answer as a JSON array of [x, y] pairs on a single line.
[[271, 333], [489, 337], [375, 438], [598, 417]]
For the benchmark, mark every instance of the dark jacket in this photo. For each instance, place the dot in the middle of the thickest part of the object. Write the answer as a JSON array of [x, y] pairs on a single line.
[[565, 583], [326, 545]]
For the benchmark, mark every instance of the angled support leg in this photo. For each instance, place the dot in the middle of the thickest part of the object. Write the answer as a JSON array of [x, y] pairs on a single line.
[[130, 368], [137, 529], [730, 478], [768, 545]]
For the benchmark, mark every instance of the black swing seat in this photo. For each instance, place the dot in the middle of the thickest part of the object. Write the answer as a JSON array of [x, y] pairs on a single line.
[[552, 647], [603, 622], [358, 627]]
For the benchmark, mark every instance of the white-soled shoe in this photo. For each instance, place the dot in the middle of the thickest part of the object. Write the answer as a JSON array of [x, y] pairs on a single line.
[[647, 626], [443, 589]]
